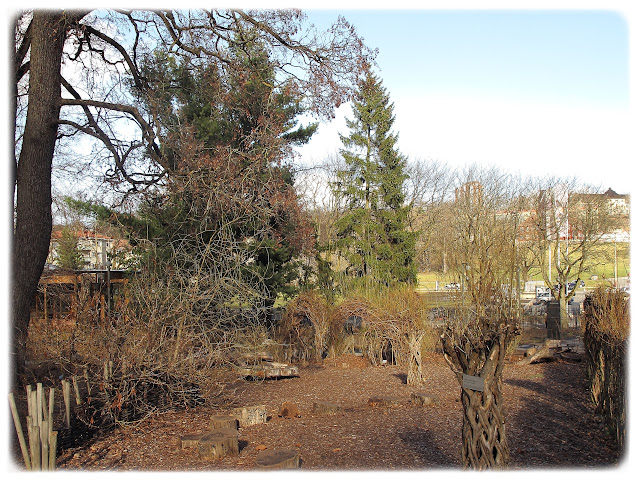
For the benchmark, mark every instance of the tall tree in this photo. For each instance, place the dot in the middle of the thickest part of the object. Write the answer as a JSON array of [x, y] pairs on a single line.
[[254, 126], [102, 55], [568, 224], [373, 231]]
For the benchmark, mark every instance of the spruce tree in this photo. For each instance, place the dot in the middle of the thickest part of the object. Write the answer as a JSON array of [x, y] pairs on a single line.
[[372, 234]]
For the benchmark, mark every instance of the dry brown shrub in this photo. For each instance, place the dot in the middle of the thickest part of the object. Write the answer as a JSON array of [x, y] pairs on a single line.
[[393, 327], [305, 327], [606, 333]]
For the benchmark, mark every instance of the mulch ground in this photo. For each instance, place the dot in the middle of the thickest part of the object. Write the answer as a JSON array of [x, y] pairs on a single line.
[[550, 423]]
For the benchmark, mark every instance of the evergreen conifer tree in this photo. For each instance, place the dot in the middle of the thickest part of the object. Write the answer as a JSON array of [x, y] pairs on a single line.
[[372, 234]]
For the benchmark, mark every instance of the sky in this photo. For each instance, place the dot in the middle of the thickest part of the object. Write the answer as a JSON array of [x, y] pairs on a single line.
[[536, 92]]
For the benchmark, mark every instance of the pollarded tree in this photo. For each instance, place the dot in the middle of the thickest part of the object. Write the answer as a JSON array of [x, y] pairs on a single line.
[[372, 231], [477, 337]]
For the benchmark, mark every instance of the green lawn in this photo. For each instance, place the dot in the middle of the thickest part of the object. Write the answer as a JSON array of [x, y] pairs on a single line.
[[602, 266]]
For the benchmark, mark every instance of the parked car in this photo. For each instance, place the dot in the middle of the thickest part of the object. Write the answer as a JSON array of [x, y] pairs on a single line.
[[570, 285], [544, 296]]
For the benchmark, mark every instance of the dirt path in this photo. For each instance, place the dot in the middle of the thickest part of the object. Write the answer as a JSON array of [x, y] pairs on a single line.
[[549, 423]]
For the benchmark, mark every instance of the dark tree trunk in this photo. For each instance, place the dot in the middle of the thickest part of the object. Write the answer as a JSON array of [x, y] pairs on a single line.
[[32, 227]]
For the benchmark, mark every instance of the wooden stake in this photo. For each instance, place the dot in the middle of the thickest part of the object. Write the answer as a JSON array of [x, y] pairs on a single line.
[[34, 445], [66, 394], [18, 425], [39, 404], [30, 412], [76, 390], [44, 444], [53, 445], [86, 379]]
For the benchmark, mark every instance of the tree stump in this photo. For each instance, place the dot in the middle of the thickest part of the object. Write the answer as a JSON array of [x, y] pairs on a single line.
[[218, 443], [423, 399], [326, 407], [385, 401], [189, 441], [223, 421], [252, 415], [279, 459]]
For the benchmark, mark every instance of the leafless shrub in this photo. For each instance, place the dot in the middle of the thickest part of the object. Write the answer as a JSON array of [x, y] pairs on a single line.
[[606, 335]]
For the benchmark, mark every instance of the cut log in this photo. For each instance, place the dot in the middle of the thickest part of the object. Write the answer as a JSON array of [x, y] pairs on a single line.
[[279, 459], [289, 410], [543, 352], [252, 415], [326, 407], [219, 443], [266, 370], [386, 401], [423, 399], [189, 441], [223, 421]]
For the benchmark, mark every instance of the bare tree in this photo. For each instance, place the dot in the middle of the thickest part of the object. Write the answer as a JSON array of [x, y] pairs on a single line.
[[102, 55], [427, 187], [476, 341], [567, 225]]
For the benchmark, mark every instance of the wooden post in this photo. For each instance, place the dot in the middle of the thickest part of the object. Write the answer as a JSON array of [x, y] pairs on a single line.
[[39, 404], [53, 446], [34, 444], [44, 444], [66, 395], [18, 425], [86, 379], [76, 390], [51, 402]]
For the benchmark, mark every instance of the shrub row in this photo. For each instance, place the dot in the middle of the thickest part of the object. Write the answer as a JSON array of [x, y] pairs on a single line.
[[606, 336]]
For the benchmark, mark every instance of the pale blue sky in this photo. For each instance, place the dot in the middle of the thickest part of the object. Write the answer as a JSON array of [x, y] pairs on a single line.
[[567, 56], [527, 90]]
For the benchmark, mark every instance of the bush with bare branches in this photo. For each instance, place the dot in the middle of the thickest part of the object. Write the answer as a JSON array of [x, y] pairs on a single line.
[[606, 336], [305, 327]]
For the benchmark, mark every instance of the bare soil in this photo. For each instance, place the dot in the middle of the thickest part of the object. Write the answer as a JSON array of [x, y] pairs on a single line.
[[550, 423]]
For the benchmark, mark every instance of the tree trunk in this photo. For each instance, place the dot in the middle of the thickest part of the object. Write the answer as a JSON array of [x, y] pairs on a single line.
[[33, 221], [414, 372], [484, 443]]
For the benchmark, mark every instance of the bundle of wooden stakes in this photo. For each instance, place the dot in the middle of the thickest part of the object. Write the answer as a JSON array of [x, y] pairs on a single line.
[[41, 454]]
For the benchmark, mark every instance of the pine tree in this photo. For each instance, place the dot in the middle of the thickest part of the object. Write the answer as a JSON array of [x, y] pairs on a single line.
[[372, 234]]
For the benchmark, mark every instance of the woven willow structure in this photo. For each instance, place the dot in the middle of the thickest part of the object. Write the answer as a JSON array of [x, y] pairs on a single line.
[[606, 323], [478, 350]]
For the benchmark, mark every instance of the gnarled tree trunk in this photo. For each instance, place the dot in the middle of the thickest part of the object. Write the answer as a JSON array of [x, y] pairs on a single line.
[[414, 372], [476, 355]]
